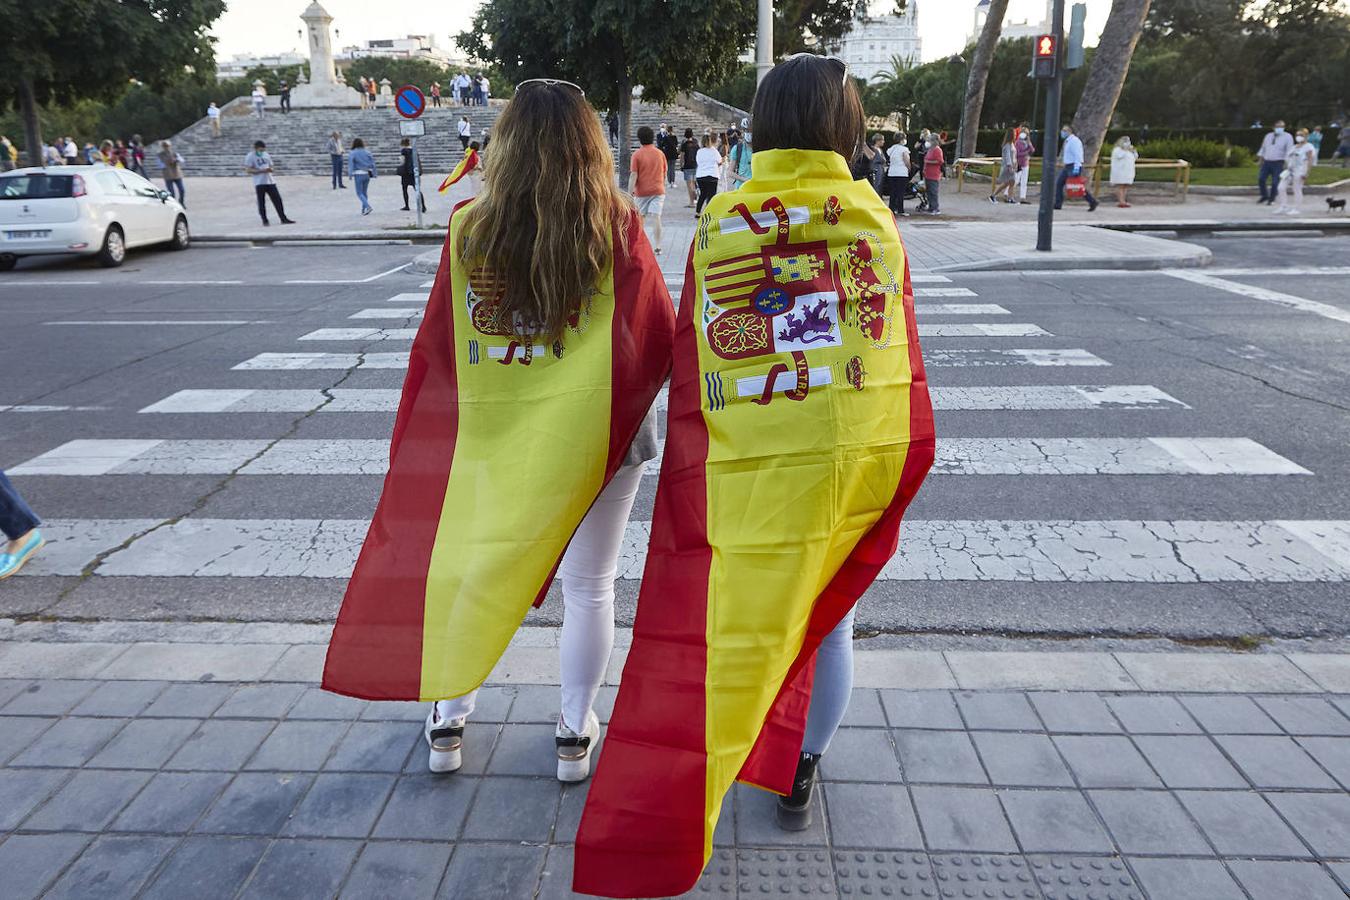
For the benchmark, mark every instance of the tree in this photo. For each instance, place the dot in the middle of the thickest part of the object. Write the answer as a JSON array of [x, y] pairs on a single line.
[[419, 72], [980, 61], [66, 50], [1110, 65], [611, 46]]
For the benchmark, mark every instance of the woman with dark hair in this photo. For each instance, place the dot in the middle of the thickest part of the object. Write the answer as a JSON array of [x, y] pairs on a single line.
[[407, 174], [709, 171], [362, 167], [799, 428], [520, 438]]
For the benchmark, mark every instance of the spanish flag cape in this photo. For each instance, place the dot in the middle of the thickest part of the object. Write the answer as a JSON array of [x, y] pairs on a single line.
[[499, 449], [799, 430], [464, 167]]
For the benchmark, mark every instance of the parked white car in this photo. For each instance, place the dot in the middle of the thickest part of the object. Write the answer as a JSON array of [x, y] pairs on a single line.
[[88, 210]]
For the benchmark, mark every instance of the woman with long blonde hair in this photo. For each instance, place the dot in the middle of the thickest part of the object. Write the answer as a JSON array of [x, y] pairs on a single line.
[[520, 438]]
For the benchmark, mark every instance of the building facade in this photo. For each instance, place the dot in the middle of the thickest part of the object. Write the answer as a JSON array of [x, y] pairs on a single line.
[[876, 40], [1012, 30]]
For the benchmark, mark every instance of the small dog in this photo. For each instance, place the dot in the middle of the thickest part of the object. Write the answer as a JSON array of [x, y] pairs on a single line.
[[1333, 204]]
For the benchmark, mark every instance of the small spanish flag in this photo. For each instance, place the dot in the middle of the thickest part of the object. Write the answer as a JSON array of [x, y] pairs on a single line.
[[474, 518], [466, 165], [799, 430]]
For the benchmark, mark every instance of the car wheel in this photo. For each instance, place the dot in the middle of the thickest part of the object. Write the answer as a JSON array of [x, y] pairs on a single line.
[[8, 261], [182, 238], [114, 249]]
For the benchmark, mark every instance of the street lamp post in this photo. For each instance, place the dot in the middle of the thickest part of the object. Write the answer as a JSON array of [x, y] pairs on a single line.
[[961, 128], [764, 41]]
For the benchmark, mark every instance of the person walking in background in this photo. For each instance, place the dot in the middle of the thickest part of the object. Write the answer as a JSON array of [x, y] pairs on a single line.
[[258, 163], [1072, 167], [612, 122], [739, 161], [880, 163], [1342, 151], [1024, 149], [1123, 157], [285, 99], [465, 132], [485, 90], [70, 151], [462, 89], [709, 167], [259, 100], [647, 183], [1007, 169], [1315, 142], [1275, 147], [90, 154], [372, 90], [334, 149], [171, 169], [361, 165], [365, 95], [136, 154], [689, 165], [934, 161], [9, 155], [436, 94], [1298, 164], [408, 174], [19, 524], [897, 174], [51, 154], [106, 154], [213, 116], [669, 145]]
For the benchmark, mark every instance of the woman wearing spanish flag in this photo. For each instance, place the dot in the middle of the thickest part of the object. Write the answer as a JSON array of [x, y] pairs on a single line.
[[520, 437], [799, 430]]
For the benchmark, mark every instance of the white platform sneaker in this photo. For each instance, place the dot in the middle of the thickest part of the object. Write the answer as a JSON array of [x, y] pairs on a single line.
[[445, 738], [574, 750]]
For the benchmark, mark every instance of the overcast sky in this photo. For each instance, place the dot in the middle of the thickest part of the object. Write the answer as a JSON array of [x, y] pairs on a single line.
[[272, 26]]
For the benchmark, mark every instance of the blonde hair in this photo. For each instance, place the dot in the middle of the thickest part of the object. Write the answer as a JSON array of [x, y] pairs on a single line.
[[541, 233]]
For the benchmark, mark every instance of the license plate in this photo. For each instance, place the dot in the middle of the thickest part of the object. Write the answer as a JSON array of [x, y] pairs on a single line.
[[18, 235]]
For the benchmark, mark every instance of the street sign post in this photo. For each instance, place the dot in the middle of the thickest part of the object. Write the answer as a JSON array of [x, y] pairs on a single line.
[[1049, 44], [410, 103]]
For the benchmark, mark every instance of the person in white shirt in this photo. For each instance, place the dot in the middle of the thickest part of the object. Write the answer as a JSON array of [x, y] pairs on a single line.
[[1122, 169], [213, 113], [1297, 164], [486, 88], [70, 151], [709, 168], [465, 132], [897, 174], [1274, 150], [1072, 157], [259, 101], [258, 163]]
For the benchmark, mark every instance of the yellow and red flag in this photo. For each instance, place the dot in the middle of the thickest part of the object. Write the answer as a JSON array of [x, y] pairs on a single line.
[[799, 430], [500, 447], [466, 165]]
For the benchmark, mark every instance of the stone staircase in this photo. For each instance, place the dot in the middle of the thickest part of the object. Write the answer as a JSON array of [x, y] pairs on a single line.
[[296, 139]]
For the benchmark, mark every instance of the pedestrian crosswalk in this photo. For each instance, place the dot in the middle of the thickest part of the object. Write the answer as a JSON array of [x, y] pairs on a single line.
[[1150, 436]]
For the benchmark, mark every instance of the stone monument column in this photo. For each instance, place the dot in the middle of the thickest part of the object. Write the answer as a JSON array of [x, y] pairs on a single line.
[[324, 87]]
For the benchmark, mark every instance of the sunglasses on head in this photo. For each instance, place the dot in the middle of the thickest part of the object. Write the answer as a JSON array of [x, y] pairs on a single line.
[[551, 81], [843, 66]]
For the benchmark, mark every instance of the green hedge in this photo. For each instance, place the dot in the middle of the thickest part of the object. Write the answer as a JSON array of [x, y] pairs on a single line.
[[1202, 153], [1242, 140]]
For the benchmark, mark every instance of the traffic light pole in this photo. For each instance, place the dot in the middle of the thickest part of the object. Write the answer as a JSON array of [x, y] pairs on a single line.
[[1050, 149]]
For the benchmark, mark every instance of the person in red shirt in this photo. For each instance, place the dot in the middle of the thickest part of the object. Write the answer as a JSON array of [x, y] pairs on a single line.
[[933, 162], [647, 182]]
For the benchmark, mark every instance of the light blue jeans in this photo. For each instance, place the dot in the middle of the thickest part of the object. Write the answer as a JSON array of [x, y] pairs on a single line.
[[362, 183], [832, 688]]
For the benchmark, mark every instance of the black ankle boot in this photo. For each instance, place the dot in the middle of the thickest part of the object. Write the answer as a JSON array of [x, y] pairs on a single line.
[[794, 810]]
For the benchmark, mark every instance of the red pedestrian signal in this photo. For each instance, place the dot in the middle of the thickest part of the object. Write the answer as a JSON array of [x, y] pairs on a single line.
[[1045, 56]]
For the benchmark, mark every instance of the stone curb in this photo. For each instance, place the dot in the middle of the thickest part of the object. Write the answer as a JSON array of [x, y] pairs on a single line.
[[280, 652], [1341, 223], [402, 235]]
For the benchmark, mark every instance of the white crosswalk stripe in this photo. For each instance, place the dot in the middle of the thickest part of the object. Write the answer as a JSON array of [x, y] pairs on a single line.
[[1101, 397], [924, 278], [419, 298], [1076, 356], [293, 362], [360, 334], [955, 456], [943, 292], [389, 312], [961, 309], [1129, 551]]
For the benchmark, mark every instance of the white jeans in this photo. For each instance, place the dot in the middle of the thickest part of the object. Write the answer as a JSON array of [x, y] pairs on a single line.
[[587, 573], [1296, 188], [1022, 174]]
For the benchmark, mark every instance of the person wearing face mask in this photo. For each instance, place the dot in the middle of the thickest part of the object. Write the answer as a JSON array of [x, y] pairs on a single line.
[[1072, 160], [1122, 169], [1273, 153], [897, 175], [1300, 161], [1024, 149]]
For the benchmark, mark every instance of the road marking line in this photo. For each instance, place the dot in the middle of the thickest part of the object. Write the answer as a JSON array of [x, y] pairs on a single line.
[[944, 292], [1126, 551], [391, 312], [376, 277], [360, 334], [295, 362], [160, 322], [1325, 310], [980, 329], [929, 279], [42, 408], [955, 456], [419, 299], [962, 309], [266, 401], [205, 281], [428, 284], [1019, 357]]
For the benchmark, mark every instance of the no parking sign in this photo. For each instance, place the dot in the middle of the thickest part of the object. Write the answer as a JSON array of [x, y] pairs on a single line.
[[410, 101]]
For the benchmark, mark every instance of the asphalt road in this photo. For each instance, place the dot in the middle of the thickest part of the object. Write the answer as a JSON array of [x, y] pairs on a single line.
[[1103, 516]]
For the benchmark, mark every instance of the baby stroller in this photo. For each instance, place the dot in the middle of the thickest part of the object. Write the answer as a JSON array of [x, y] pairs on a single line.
[[919, 189]]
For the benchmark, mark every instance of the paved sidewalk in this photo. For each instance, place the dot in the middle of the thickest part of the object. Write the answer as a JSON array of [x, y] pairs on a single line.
[[200, 760]]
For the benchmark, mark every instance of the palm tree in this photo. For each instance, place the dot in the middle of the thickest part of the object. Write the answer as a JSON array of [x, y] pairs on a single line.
[[899, 65], [1110, 64]]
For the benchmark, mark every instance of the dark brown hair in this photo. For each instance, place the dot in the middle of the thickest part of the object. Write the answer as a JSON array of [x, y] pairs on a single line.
[[809, 103], [543, 225]]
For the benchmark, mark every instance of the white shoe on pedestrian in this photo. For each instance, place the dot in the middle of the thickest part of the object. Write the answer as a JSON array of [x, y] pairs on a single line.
[[574, 749], [445, 740]]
